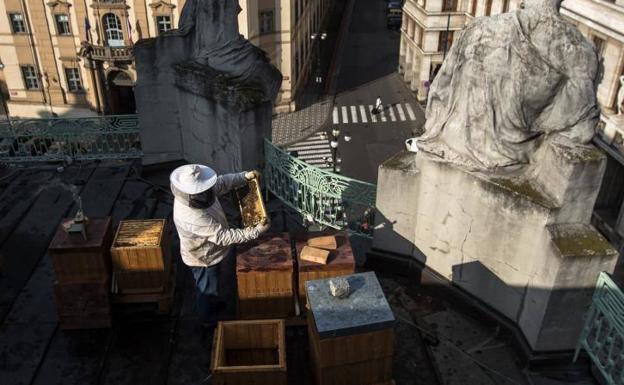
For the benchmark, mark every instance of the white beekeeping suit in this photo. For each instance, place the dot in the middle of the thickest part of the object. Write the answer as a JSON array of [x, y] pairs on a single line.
[[205, 235]]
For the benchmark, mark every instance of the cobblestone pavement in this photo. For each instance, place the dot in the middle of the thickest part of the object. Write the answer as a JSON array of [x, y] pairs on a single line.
[[297, 126]]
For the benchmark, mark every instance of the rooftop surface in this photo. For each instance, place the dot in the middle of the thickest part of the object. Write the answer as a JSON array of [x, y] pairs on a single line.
[[436, 342]]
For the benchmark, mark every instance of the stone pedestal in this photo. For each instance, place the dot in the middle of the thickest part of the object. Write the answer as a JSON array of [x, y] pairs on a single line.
[[520, 243], [190, 112]]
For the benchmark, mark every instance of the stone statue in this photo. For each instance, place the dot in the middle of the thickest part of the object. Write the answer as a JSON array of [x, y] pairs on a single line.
[[509, 83], [620, 96], [218, 44]]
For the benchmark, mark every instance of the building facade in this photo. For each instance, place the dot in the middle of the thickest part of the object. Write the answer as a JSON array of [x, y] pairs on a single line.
[[602, 22], [74, 57]]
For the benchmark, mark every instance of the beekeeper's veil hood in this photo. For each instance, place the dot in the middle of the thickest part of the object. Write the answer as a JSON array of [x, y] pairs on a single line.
[[192, 184]]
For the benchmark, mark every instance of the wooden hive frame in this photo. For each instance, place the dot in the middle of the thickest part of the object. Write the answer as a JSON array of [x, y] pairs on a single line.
[[249, 352], [140, 256]]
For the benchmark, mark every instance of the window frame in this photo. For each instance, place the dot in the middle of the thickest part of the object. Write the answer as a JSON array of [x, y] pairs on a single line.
[[261, 19], [74, 83], [449, 36], [67, 22], [158, 23], [118, 30], [22, 21], [27, 78]]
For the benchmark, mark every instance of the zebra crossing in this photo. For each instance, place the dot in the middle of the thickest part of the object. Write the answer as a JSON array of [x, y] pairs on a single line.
[[398, 112], [313, 150]]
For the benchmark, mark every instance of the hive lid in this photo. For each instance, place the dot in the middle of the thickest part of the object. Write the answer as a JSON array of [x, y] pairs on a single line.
[[268, 253], [96, 232], [364, 310], [139, 233], [339, 259]]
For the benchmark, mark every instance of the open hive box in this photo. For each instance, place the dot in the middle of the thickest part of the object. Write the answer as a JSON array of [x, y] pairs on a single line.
[[140, 256], [250, 202], [249, 352]]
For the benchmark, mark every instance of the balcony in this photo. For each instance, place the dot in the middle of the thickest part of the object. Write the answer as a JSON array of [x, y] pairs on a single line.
[[102, 53]]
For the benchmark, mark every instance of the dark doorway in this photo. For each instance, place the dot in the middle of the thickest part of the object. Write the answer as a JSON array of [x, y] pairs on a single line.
[[121, 94]]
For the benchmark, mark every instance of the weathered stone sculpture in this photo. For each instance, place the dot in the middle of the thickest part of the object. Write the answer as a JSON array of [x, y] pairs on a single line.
[[510, 83], [499, 201], [204, 93]]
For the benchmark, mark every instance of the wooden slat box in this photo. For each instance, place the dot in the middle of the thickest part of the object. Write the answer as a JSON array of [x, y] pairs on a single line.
[[141, 256], [249, 352], [83, 305], [340, 262], [264, 274], [351, 339], [76, 259]]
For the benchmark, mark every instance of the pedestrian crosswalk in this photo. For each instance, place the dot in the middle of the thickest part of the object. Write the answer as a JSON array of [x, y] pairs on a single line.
[[314, 150], [398, 112]]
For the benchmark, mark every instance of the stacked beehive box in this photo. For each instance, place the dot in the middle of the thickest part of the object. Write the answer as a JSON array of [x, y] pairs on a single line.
[[351, 339], [82, 267], [249, 352], [141, 257], [340, 262], [264, 274]]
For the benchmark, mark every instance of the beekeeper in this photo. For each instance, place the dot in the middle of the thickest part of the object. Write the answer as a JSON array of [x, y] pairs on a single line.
[[205, 236]]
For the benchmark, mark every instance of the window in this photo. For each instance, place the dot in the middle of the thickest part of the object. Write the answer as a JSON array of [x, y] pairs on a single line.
[[505, 6], [62, 24], [73, 79], [163, 23], [17, 22], [112, 30], [31, 80], [449, 6], [446, 40], [266, 21], [473, 12], [488, 7]]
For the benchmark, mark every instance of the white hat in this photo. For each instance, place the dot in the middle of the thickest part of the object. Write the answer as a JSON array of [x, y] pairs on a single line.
[[193, 178]]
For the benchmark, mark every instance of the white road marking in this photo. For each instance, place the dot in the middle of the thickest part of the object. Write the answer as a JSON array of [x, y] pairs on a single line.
[[373, 116], [401, 113], [354, 118], [410, 111], [363, 114], [336, 120], [345, 115], [391, 113], [382, 113]]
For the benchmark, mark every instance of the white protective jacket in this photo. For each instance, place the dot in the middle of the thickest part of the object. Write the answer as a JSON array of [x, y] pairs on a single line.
[[205, 236]]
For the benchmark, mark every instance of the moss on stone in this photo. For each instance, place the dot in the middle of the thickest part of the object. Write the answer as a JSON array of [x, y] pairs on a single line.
[[526, 189], [585, 154], [403, 161], [579, 241]]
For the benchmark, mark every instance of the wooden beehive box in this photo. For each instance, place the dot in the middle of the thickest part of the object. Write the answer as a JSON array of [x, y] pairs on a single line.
[[340, 262], [76, 259], [351, 339], [264, 274], [141, 256], [249, 352], [83, 305]]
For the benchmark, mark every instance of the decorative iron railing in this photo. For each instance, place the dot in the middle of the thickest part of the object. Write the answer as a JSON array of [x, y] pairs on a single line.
[[603, 334], [124, 53], [57, 139], [318, 195]]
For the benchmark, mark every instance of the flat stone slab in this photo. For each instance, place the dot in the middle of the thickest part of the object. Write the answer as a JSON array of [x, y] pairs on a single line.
[[364, 310]]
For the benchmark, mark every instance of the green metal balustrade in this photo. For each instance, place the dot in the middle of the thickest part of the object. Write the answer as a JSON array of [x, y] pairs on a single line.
[[57, 139], [320, 196], [603, 334]]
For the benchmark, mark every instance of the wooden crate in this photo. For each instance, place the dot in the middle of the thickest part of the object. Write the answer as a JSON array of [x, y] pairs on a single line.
[[249, 352], [141, 256], [340, 262], [264, 275], [76, 259], [83, 305]]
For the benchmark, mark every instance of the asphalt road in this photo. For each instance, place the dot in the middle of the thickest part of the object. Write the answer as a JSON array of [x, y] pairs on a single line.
[[367, 69]]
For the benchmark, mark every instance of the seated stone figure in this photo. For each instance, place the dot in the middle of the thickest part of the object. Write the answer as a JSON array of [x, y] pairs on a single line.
[[509, 83], [218, 45]]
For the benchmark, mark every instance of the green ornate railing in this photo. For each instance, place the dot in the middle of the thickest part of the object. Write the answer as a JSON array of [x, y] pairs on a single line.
[[318, 195], [603, 334], [56, 139]]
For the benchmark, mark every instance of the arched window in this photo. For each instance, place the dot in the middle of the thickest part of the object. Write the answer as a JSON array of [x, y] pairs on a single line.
[[112, 29]]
